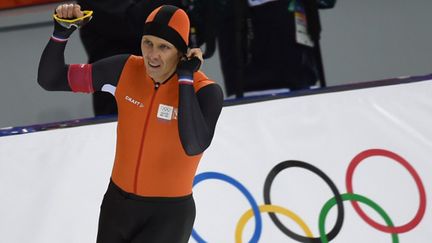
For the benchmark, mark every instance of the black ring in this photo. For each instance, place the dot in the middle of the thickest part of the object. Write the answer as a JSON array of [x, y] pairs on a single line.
[[294, 163]]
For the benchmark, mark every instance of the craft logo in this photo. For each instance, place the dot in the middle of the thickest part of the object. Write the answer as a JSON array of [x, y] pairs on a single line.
[[135, 102]]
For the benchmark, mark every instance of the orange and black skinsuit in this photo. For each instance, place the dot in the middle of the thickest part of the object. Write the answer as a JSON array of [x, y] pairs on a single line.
[[162, 132]]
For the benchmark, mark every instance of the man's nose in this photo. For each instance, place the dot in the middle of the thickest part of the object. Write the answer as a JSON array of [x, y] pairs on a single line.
[[153, 53]]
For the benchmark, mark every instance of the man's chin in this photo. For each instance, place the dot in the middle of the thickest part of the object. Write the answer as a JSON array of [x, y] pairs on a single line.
[[152, 72], [154, 75]]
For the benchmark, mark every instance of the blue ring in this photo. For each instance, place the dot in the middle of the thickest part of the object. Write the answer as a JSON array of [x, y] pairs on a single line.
[[246, 193]]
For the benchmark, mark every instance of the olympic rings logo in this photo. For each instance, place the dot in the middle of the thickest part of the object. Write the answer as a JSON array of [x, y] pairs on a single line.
[[337, 200]]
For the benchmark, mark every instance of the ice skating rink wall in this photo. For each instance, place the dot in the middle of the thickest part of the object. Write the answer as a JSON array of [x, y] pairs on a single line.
[[307, 158]]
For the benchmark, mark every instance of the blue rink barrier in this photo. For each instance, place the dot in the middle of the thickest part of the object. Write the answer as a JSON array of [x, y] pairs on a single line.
[[7, 131]]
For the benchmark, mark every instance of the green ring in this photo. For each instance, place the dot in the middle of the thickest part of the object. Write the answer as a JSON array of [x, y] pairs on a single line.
[[356, 197]]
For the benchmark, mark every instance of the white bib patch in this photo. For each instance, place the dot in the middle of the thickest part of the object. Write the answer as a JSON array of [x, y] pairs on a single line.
[[165, 112]]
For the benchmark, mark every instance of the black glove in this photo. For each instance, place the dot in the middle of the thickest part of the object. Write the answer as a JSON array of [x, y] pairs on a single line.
[[63, 28], [61, 31], [186, 68]]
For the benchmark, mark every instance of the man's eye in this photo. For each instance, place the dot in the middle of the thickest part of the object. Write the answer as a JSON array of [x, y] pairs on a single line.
[[147, 42], [164, 47]]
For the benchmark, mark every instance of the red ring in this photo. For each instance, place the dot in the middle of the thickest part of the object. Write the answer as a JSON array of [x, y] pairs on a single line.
[[422, 208]]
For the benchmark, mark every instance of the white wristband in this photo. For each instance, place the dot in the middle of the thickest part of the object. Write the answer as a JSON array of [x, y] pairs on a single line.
[[184, 80]]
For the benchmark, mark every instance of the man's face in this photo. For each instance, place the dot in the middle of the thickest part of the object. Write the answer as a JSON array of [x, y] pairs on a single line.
[[160, 57]]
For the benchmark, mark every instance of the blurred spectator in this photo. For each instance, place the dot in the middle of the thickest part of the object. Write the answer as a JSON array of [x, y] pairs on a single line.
[[277, 45]]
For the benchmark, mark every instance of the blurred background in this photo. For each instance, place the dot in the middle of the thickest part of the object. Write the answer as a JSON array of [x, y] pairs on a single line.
[[359, 41]]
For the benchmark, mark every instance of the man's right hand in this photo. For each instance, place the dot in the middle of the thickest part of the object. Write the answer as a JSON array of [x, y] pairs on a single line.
[[69, 11]]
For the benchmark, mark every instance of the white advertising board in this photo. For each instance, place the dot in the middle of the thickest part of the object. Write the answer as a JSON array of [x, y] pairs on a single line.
[[288, 156]]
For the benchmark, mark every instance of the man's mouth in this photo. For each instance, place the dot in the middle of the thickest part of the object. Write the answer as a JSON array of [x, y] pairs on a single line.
[[153, 65]]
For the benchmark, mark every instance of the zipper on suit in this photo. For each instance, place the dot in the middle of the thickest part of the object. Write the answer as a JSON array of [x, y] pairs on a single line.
[[137, 169]]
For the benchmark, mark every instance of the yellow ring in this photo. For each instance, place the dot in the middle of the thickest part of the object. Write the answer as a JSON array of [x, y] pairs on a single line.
[[87, 13], [269, 209]]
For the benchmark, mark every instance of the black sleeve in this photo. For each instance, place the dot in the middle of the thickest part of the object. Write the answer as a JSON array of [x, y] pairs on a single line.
[[198, 114], [53, 71], [108, 70]]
